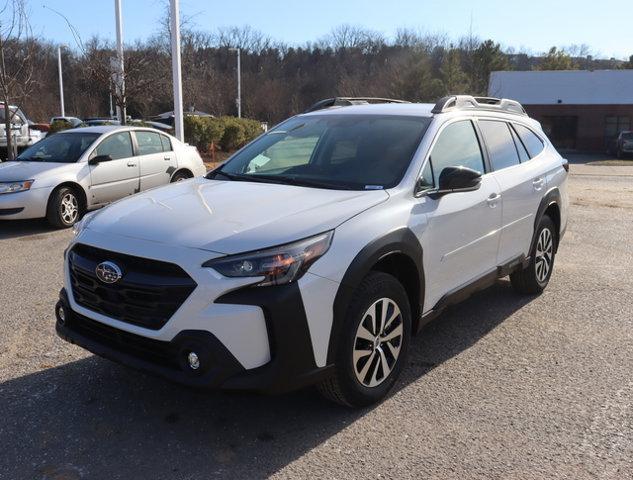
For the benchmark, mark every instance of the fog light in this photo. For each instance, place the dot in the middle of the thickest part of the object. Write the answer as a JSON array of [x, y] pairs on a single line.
[[61, 314], [194, 361]]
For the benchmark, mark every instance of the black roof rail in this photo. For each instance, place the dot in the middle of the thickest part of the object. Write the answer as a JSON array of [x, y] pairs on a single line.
[[346, 101], [468, 102]]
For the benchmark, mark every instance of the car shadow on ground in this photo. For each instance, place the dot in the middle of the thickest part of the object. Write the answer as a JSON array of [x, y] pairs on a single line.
[[23, 228], [94, 419]]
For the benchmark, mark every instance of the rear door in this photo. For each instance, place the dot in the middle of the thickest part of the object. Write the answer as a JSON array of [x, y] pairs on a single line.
[[156, 158], [515, 182], [118, 177], [461, 239]]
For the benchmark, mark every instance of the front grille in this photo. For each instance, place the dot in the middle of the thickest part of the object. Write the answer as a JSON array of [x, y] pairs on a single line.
[[147, 295], [155, 351]]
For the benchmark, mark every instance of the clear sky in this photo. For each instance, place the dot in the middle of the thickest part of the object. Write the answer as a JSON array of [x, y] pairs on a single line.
[[532, 25]]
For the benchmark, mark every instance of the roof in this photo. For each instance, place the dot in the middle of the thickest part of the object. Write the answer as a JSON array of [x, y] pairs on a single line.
[[413, 109], [95, 129], [572, 87]]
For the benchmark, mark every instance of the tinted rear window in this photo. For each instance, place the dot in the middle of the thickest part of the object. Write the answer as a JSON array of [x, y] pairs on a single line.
[[532, 143], [501, 148]]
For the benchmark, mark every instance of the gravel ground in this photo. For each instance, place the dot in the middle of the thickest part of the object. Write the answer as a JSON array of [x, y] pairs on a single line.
[[501, 386]]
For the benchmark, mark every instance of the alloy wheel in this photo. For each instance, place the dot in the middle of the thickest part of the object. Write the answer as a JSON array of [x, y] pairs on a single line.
[[378, 342], [544, 255], [69, 208]]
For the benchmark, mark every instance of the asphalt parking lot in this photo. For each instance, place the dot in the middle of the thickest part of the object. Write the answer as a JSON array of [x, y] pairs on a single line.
[[501, 386]]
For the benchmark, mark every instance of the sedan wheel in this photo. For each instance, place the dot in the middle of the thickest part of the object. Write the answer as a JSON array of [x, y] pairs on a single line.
[[69, 208]]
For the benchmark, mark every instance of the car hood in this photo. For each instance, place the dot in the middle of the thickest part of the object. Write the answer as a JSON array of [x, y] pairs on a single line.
[[11, 171], [231, 216]]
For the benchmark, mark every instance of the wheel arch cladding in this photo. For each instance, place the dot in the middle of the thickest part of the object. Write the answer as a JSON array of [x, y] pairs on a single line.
[[398, 253], [550, 206]]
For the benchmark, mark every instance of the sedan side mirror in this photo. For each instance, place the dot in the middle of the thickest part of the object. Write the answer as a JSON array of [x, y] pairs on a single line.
[[458, 179], [98, 159]]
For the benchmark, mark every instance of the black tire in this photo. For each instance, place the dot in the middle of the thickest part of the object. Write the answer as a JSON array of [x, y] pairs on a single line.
[[534, 278], [58, 213], [343, 386], [180, 176], [618, 154]]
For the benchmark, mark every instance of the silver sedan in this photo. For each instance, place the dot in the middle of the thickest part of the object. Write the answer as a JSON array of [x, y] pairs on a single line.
[[71, 172]]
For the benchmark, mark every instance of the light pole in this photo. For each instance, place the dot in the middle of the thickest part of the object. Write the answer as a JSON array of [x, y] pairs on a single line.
[[238, 101], [176, 68], [61, 79], [120, 71]]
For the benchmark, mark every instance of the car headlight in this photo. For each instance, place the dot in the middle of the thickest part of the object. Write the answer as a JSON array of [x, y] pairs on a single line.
[[278, 265], [81, 224], [18, 186]]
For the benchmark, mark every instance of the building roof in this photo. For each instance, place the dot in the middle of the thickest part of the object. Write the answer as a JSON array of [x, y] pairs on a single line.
[[571, 87]]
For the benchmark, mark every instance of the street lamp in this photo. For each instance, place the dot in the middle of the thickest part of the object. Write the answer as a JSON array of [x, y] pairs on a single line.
[[238, 101], [120, 65], [61, 78], [176, 70]]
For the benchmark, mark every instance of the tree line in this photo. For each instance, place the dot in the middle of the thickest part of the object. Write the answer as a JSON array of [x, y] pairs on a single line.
[[278, 79]]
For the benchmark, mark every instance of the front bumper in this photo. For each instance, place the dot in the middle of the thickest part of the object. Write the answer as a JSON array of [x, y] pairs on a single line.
[[292, 364], [22, 205]]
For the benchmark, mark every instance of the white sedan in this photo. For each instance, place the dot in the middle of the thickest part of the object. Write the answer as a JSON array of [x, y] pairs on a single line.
[[68, 173]]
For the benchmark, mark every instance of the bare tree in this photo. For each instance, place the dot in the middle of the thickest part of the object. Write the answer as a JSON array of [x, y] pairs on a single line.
[[16, 66]]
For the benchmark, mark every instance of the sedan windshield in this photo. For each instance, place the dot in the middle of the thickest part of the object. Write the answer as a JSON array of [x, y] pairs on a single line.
[[627, 136], [354, 152], [59, 148]]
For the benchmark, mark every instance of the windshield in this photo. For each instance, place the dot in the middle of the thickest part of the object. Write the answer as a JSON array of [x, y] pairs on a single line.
[[359, 152], [627, 136], [59, 148]]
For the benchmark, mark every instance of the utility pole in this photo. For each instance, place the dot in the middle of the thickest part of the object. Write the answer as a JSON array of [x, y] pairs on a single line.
[[61, 80], [120, 73], [176, 68], [238, 101]]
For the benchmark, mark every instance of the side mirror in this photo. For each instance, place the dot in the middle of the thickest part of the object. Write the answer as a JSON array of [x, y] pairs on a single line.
[[458, 179], [98, 159]]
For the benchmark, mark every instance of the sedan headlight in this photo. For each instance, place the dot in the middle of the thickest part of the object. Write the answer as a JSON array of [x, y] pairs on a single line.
[[18, 186], [278, 265]]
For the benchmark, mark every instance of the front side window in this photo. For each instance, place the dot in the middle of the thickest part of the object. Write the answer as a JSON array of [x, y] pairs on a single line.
[[501, 147], [457, 146], [148, 143], [533, 144], [118, 145], [59, 148], [360, 152]]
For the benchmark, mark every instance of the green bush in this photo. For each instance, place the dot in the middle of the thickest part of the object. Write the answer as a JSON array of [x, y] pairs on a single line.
[[58, 126], [228, 133]]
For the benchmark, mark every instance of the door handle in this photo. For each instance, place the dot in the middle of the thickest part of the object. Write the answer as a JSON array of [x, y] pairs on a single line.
[[131, 164], [493, 199], [538, 183], [167, 159]]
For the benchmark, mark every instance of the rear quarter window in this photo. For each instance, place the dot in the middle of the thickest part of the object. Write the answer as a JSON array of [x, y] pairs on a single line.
[[533, 144]]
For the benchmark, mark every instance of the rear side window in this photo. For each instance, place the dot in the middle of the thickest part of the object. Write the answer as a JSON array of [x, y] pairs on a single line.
[[501, 148], [148, 143], [117, 146], [457, 146], [523, 154], [532, 143], [166, 143]]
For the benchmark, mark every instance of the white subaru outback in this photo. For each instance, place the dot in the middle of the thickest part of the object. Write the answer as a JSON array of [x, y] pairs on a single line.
[[317, 250]]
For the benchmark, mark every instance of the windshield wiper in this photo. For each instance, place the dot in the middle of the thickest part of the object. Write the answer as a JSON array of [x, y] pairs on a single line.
[[239, 177], [307, 182]]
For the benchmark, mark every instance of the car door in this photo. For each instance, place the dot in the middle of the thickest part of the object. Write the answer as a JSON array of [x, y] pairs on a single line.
[[118, 177], [508, 160], [156, 164], [461, 237]]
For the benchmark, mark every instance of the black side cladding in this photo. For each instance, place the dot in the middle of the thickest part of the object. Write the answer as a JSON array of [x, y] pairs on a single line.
[[402, 241]]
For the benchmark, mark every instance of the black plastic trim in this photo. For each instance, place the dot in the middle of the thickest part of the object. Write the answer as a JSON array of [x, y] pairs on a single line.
[[552, 197], [10, 211], [402, 241]]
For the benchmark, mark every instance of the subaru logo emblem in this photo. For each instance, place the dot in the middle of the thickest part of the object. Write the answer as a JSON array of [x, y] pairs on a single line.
[[108, 272]]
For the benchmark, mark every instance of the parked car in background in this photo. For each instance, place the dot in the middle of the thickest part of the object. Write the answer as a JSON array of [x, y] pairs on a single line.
[[622, 144], [95, 122], [315, 252], [20, 128], [73, 171], [74, 122]]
